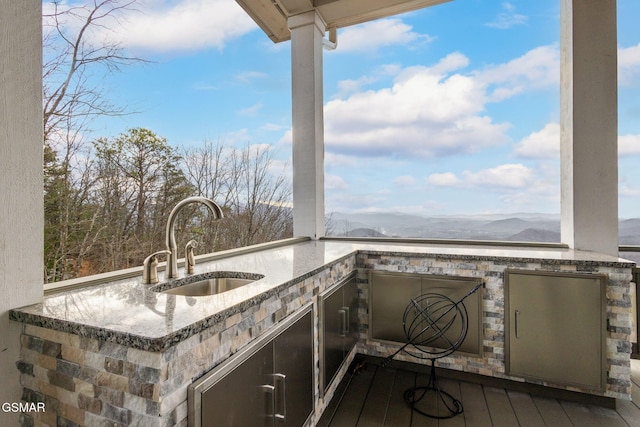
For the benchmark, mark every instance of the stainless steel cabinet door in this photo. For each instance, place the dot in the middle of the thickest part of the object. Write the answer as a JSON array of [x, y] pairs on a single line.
[[293, 373], [333, 319], [456, 289], [350, 303], [556, 327], [245, 396], [390, 294]]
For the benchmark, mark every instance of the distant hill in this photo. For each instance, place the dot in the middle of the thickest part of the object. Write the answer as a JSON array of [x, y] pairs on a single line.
[[506, 225], [535, 235], [630, 231], [365, 232], [526, 227]]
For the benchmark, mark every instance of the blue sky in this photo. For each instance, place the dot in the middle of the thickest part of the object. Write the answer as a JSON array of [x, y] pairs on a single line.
[[452, 109]]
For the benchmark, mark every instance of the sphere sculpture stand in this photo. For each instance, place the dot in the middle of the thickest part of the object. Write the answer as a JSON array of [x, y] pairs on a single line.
[[426, 321]]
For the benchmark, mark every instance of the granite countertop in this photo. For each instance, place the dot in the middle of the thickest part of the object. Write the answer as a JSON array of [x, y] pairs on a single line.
[[131, 314]]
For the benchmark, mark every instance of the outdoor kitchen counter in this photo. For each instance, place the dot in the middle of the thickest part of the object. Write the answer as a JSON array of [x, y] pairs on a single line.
[[119, 353], [131, 314]]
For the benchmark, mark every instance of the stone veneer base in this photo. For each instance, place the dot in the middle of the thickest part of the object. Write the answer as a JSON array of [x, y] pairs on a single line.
[[85, 381]]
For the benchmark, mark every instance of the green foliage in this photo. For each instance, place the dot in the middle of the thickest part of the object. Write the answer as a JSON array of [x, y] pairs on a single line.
[[109, 211], [111, 220]]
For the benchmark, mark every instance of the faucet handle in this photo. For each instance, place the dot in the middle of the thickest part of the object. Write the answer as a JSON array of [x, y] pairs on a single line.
[[189, 257], [150, 267]]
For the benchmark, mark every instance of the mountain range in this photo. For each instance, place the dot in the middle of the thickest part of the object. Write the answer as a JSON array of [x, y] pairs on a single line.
[[527, 227]]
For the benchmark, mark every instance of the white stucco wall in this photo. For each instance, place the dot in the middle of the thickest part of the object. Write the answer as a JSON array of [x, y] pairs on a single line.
[[21, 211]]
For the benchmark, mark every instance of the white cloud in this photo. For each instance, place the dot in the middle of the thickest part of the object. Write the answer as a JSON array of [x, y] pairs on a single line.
[[436, 110], [347, 87], [543, 144], [404, 180], [371, 36], [428, 111], [287, 138], [274, 127], [431, 111], [248, 77], [334, 182], [240, 136], [175, 26], [447, 179], [538, 68], [629, 66], [252, 110], [627, 191], [351, 86], [509, 176], [507, 19], [629, 145]]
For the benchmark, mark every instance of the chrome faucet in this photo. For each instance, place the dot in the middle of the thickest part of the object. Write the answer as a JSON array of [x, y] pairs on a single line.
[[172, 256], [189, 256], [150, 268]]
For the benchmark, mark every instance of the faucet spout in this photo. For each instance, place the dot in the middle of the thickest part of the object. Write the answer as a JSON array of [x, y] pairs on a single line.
[[172, 258]]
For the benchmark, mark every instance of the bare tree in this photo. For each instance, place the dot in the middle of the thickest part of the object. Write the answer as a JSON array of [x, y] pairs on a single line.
[[330, 224], [73, 63], [71, 59], [208, 169], [261, 198], [256, 197]]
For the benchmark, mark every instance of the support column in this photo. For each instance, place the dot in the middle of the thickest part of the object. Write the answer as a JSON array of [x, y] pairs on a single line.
[[589, 125], [307, 31], [21, 211]]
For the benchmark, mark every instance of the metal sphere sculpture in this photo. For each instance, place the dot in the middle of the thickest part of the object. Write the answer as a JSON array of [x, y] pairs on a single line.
[[435, 327], [427, 321]]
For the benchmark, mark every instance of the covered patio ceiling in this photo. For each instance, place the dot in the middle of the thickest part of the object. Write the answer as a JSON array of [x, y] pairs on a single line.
[[272, 15]]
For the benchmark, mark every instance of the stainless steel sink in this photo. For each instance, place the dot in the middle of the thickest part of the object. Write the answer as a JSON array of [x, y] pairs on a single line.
[[207, 284]]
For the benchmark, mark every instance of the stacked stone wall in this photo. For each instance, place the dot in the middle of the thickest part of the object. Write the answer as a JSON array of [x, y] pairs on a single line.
[[492, 272], [88, 382]]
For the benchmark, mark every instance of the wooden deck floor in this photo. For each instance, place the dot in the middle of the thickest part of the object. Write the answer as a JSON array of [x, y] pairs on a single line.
[[374, 397]]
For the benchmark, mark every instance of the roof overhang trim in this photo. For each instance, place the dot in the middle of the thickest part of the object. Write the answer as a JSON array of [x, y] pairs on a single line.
[[272, 15]]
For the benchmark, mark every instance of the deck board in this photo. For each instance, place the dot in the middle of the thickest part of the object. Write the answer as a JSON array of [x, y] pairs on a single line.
[[398, 413], [333, 405], [453, 388], [417, 419], [635, 372], [375, 407], [375, 397], [430, 404], [354, 398], [500, 407], [591, 416], [474, 405], [551, 412], [629, 412], [525, 409]]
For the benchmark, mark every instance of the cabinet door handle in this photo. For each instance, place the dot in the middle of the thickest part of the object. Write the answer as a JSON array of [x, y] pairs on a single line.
[[280, 399], [347, 323], [343, 321], [516, 316], [270, 390]]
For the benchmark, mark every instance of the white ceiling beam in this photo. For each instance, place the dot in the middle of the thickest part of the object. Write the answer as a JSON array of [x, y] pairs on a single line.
[[296, 7]]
